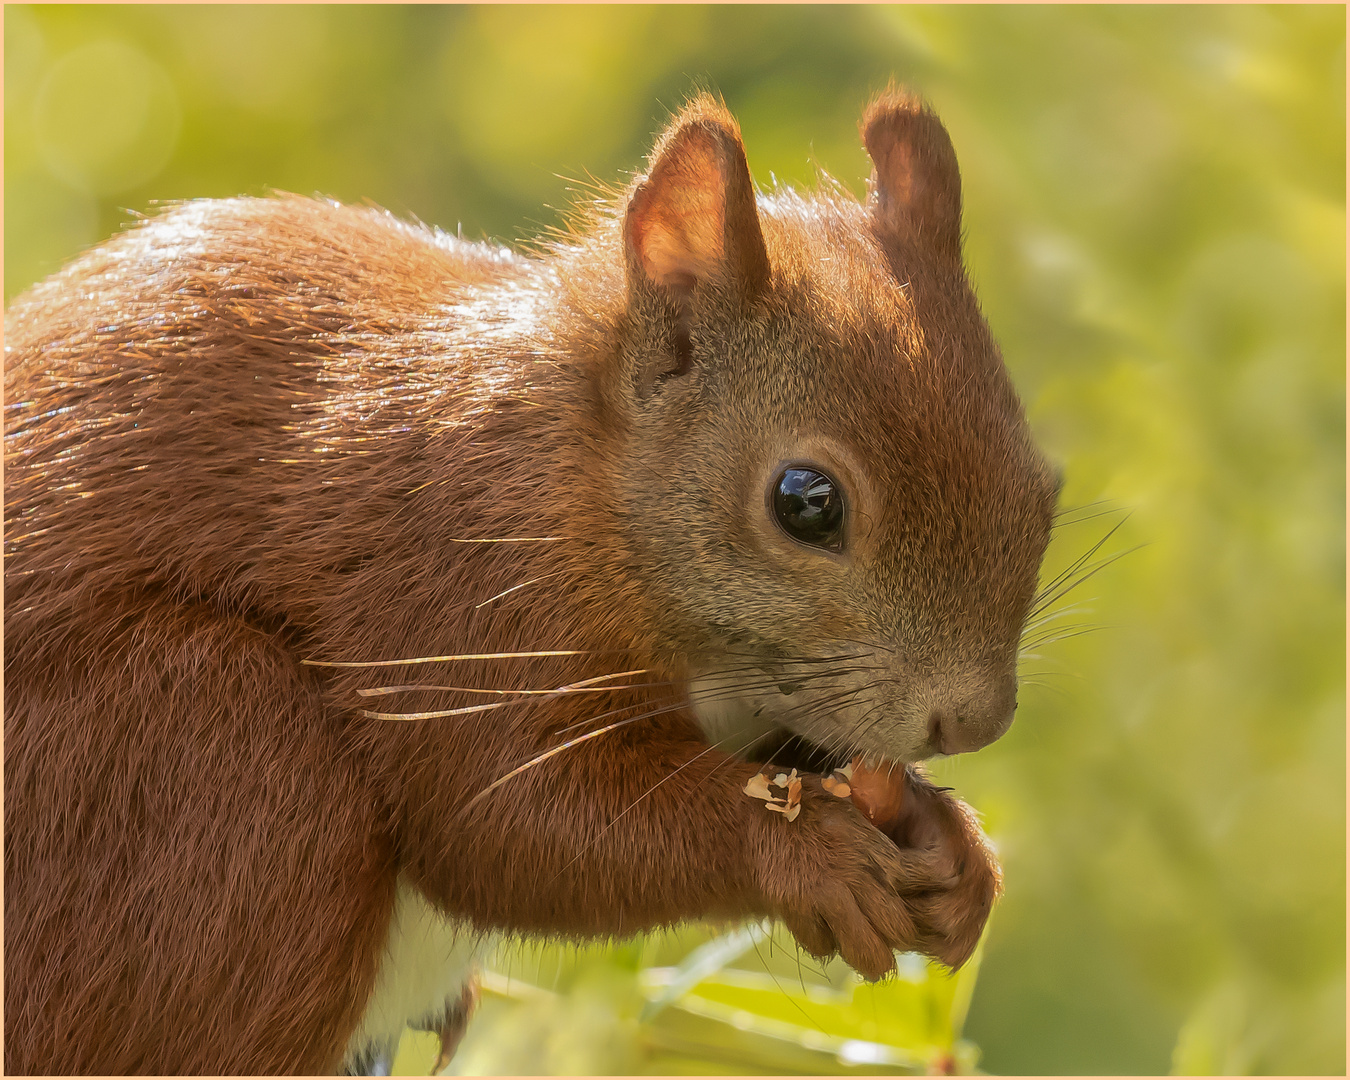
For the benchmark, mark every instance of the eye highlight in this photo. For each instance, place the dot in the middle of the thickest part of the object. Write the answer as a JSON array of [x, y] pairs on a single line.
[[809, 506]]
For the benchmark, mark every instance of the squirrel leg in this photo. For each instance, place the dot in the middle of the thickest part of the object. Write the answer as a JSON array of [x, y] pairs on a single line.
[[196, 879], [651, 826]]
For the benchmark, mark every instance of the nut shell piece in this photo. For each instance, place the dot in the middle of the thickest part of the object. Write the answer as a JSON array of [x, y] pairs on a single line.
[[878, 791]]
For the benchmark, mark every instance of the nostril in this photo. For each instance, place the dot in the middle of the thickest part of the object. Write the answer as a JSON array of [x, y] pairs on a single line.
[[964, 718], [959, 732]]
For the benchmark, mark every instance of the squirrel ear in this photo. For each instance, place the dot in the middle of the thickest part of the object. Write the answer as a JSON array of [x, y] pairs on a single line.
[[692, 218], [915, 185]]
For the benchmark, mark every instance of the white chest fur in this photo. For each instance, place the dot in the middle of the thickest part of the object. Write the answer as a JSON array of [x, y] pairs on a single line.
[[426, 961]]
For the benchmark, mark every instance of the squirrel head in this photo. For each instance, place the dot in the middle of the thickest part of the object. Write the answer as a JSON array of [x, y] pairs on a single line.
[[829, 487]]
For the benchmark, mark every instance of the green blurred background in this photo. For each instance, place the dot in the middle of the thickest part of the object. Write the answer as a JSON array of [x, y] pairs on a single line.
[[1156, 226]]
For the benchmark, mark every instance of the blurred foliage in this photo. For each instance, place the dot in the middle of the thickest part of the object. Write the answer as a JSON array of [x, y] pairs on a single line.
[[1156, 221], [690, 1002]]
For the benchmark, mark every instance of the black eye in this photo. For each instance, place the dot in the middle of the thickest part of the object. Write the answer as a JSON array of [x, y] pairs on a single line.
[[810, 507]]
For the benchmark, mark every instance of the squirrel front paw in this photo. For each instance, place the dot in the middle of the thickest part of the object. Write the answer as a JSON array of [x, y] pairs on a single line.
[[945, 834], [844, 886]]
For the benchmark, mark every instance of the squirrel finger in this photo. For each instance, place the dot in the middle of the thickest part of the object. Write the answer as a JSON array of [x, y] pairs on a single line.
[[812, 933], [859, 943]]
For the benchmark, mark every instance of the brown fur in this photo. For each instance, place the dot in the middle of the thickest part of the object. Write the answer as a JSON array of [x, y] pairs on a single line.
[[249, 434]]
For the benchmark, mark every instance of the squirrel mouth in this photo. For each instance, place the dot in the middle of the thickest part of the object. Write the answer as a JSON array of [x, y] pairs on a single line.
[[787, 749], [746, 727]]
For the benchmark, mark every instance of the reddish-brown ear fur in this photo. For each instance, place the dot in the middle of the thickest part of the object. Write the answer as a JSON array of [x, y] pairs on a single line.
[[915, 183], [692, 218]]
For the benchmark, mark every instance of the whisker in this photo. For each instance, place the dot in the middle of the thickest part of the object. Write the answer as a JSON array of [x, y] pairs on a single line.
[[682, 700], [1078, 563], [619, 816], [1080, 506], [1059, 516], [673, 705], [1032, 640], [435, 714], [731, 691], [1110, 506], [784, 996], [585, 686], [506, 592], [1069, 570], [798, 660], [727, 692], [1058, 675], [465, 710], [870, 644], [1072, 633], [751, 742], [553, 752], [863, 725], [539, 759], [442, 659], [1048, 687], [768, 679], [675, 702], [827, 702], [1064, 523], [732, 677], [1065, 589], [510, 539], [1072, 609], [714, 746]]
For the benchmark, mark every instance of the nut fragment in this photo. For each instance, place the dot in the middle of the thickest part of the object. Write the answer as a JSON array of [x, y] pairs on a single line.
[[877, 791], [837, 784], [759, 786]]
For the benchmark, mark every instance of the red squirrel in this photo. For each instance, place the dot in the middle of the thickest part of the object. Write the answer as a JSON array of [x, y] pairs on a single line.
[[353, 567]]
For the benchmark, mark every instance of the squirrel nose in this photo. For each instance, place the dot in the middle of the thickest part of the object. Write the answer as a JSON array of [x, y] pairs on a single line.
[[974, 721]]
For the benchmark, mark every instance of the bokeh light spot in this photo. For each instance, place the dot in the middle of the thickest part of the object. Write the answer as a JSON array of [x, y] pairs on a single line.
[[106, 118]]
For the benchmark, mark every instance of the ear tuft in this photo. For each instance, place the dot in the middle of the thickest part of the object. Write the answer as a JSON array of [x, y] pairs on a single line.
[[915, 185], [692, 218]]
